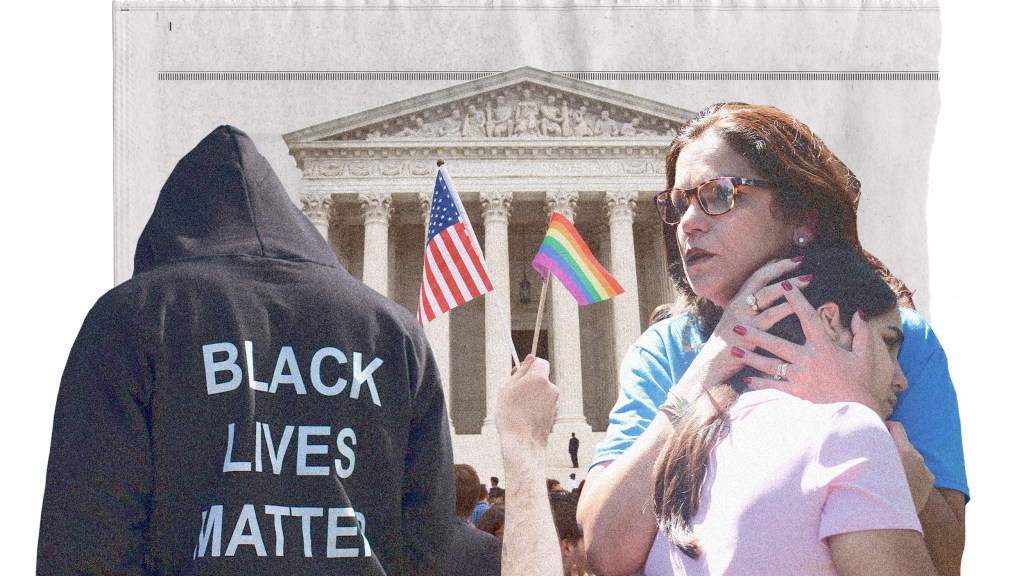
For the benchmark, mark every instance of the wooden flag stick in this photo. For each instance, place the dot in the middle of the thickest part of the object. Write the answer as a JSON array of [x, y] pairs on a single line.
[[540, 312]]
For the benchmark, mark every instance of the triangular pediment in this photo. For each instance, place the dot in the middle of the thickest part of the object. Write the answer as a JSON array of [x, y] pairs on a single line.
[[508, 107]]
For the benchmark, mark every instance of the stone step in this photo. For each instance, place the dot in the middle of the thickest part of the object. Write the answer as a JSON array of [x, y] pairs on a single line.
[[482, 452]]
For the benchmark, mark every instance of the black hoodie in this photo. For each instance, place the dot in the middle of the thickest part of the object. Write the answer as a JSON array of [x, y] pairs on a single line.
[[242, 405]]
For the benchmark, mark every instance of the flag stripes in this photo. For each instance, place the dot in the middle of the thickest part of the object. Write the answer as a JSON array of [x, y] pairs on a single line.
[[564, 254], [453, 270], [452, 274]]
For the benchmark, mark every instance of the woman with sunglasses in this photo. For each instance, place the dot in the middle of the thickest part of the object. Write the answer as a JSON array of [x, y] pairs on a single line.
[[761, 482], [746, 185]]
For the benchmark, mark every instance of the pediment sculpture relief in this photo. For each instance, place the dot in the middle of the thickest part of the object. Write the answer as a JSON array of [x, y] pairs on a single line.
[[518, 113]]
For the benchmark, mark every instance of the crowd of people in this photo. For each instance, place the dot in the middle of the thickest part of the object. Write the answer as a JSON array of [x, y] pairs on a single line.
[[243, 400], [478, 551]]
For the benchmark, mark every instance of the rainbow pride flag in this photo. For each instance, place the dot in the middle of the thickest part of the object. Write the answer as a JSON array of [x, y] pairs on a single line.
[[564, 254]]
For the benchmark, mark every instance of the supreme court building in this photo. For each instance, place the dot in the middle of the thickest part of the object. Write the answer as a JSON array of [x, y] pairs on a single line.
[[518, 145], [369, 95]]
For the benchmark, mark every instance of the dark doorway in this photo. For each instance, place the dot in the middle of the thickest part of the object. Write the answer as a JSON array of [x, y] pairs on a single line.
[[523, 340]]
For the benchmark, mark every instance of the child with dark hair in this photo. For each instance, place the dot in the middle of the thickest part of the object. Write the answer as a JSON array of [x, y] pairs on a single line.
[[760, 481]]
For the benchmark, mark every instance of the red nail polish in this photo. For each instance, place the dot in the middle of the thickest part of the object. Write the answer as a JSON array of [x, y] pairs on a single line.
[[806, 278], [786, 285], [741, 330], [860, 312], [797, 259], [737, 352]]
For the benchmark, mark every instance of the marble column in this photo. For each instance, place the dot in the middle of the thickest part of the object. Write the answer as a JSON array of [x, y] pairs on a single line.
[[605, 390], [564, 336], [376, 210], [625, 306], [317, 207], [439, 329], [659, 286], [497, 206]]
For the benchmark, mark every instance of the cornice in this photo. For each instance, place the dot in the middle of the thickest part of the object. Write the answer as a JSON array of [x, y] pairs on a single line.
[[430, 151], [392, 120]]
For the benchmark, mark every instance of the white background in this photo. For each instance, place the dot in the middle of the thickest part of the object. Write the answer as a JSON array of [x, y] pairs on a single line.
[[57, 227]]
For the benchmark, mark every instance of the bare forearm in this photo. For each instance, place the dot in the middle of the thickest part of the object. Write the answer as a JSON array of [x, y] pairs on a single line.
[[616, 509], [873, 552], [525, 413], [531, 542], [942, 520]]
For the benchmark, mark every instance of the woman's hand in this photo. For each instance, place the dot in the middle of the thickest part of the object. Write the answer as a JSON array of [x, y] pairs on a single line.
[[919, 477], [819, 370], [724, 353]]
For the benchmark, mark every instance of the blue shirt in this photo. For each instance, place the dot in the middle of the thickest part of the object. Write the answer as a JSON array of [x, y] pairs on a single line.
[[478, 511], [927, 409]]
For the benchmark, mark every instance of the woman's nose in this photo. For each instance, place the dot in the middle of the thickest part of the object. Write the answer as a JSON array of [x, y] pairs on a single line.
[[693, 219]]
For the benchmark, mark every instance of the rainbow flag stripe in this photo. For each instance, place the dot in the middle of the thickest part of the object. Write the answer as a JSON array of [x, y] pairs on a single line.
[[564, 254]]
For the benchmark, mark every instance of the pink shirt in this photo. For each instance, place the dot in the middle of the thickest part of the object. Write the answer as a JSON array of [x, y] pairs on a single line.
[[787, 475]]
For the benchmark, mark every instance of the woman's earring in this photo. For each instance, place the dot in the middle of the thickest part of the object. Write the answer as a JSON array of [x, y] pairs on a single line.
[[801, 241]]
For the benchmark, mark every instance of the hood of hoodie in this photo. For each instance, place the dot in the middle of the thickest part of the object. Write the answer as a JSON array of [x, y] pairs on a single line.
[[224, 199]]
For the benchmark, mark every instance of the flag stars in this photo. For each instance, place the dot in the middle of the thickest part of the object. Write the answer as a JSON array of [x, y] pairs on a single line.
[[443, 212]]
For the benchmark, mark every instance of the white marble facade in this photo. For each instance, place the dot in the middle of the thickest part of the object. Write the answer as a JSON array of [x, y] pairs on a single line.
[[517, 146]]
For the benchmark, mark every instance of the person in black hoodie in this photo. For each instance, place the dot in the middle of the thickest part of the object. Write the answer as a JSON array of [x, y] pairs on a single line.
[[242, 405]]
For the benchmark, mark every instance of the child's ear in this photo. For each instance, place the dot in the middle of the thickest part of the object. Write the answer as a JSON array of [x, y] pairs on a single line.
[[833, 322]]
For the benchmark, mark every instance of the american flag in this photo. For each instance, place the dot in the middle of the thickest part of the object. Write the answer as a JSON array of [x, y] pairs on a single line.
[[454, 271]]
